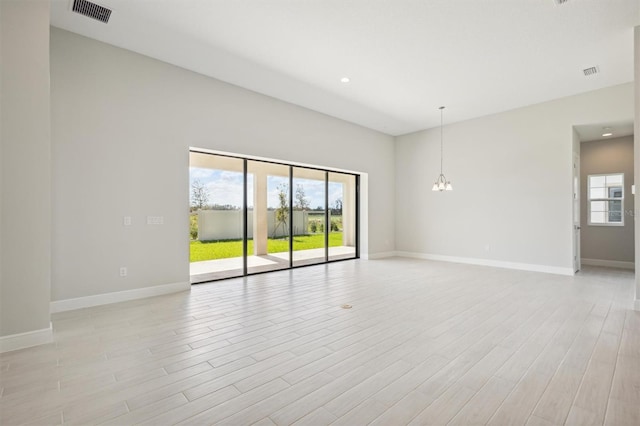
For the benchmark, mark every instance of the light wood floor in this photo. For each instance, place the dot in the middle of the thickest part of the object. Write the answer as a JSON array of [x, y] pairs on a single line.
[[425, 343]]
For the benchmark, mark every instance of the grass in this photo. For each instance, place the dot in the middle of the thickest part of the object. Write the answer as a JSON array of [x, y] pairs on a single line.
[[209, 250]]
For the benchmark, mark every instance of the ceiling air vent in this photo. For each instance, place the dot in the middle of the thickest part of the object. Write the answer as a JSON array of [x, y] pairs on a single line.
[[590, 71], [92, 10]]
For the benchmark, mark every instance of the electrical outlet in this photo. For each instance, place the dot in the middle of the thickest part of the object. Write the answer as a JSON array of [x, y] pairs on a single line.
[[126, 221], [123, 271]]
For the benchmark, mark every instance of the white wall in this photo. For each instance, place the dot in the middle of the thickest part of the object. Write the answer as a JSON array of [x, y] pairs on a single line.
[[122, 124], [512, 179], [25, 168], [609, 243]]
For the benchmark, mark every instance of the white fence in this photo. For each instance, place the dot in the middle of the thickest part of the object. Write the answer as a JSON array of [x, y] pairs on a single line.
[[227, 224]]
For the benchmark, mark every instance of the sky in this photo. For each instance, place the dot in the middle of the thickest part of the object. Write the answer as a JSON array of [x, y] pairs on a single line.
[[225, 187]]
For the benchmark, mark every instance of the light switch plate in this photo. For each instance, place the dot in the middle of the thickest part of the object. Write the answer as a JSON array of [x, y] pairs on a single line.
[[126, 221], [155, 220]]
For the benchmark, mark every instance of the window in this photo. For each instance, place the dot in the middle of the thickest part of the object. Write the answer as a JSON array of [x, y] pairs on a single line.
[[606, 199]]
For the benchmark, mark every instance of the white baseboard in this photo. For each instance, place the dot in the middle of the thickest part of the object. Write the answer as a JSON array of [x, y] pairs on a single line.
[[14, 342], [381, 255], [489, 262], [608, 263], [118, 296]]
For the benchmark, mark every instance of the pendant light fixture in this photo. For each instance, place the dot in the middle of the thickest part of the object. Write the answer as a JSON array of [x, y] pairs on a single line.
[[441, 184]]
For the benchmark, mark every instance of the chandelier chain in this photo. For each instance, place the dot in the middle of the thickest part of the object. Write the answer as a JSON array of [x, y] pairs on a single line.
[[441, 138]]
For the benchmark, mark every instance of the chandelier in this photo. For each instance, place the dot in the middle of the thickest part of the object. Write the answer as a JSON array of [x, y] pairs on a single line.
[[441, 184]]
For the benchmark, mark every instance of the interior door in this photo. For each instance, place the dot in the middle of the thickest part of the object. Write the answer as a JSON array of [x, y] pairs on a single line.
[[576, 212]]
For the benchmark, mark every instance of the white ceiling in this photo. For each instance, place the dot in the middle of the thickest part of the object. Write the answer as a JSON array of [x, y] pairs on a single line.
[[405, 58], [594, 132]]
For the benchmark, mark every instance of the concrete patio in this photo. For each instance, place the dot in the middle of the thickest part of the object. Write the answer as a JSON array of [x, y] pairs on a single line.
[[210, 270]]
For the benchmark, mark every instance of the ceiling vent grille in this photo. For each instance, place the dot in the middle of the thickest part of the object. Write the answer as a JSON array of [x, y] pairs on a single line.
[[590, 71], [92, 10]]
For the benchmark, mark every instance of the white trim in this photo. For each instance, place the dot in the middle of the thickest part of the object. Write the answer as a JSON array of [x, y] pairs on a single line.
[[118, 296], [609, 263], [381, 255], [14, 342], [489, 262], [271, 160]]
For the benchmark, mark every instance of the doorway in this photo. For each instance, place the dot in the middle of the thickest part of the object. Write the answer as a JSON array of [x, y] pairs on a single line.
[[603, 220], [250, 216]]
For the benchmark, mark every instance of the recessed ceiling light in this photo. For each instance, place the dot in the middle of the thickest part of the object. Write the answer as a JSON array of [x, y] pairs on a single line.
[[345, 79], [607, 134], [606, 131]]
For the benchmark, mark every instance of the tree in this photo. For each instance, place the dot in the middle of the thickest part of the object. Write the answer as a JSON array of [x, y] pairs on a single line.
[[199, 195], [302, 203], [337, 207], [282, 212]]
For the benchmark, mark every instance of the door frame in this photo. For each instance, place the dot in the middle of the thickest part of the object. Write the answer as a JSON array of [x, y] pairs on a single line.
[[576, 212], [327, 171]]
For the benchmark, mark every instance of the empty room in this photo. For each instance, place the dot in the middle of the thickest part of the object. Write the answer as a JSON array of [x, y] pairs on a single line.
[[319, 212]]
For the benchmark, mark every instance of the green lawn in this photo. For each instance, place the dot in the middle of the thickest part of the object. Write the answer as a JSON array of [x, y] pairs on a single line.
[[209, 250]]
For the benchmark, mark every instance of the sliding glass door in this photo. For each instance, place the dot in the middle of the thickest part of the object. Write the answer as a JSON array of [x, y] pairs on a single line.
[[342, 216], [268, 217], [216, 222], [249, 216], [309, 216]]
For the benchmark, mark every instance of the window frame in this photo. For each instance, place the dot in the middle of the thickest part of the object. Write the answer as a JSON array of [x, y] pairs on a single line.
[[605, 199]]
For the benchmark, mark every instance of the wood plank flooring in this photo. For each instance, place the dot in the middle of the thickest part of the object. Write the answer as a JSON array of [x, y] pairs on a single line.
[[425, 343]]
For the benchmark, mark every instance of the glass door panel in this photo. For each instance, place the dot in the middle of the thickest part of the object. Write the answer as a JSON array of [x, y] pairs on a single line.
[[309, 216], [268, 212], [217, 226], [342, 216]]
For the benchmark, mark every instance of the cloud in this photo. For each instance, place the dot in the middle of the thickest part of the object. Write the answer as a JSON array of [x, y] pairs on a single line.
[[336, 191], [225, 187], [199, 174]]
